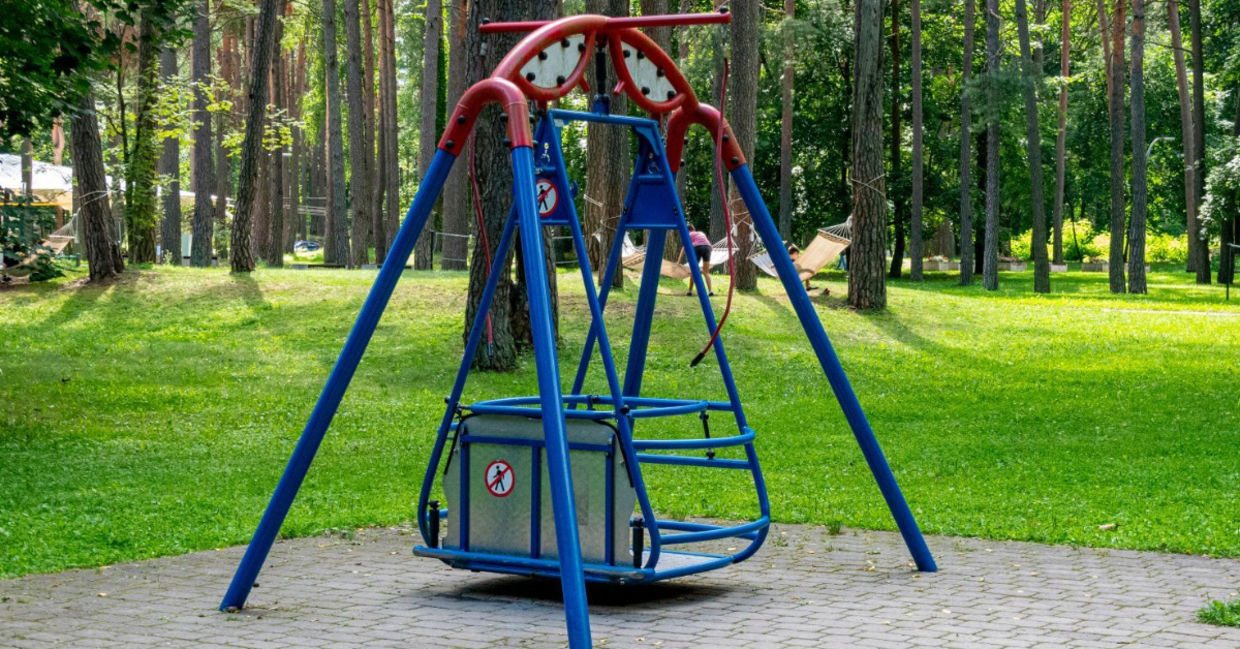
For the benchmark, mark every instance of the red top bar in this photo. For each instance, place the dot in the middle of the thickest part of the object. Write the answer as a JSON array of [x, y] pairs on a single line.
[[670, 20]]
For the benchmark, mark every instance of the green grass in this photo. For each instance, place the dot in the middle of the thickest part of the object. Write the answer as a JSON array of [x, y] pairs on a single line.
[[1221, 613], [153, 416]]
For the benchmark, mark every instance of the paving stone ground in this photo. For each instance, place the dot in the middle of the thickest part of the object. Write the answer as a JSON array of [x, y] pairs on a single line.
[[806, 588]]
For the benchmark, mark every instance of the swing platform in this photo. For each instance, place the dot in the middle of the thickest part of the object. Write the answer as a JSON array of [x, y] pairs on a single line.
[[554, 484]]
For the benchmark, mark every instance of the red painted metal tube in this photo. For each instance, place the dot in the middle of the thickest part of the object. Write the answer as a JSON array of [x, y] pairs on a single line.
[[706, 115], [492, 89], [669, 20]]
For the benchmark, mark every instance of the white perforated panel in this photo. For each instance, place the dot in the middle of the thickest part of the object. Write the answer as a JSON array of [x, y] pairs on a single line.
[[647, 77], [551, 67]]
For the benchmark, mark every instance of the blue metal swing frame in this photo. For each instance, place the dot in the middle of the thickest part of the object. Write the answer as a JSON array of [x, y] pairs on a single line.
[[653, 205]]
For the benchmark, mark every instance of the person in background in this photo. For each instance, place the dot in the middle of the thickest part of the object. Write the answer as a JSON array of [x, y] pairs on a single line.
[[701, 248]]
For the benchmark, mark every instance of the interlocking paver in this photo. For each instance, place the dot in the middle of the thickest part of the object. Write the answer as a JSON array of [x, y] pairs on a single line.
[[855, 590]]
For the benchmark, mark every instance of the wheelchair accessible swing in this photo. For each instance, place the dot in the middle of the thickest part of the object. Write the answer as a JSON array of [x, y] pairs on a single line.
[[552, 484]]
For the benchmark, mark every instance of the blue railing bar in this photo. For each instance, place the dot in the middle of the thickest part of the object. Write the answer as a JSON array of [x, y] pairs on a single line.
[[574, 399], [517, 441], [747, 531], [536, 413], [581, 116], [674, 444], [684, 460], [669, 411], [526, 562]]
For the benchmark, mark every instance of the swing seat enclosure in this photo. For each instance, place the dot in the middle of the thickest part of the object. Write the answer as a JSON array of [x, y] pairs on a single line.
[[554, 484]]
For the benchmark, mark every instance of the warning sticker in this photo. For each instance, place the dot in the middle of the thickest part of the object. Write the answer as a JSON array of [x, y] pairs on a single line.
[[499, 478], [548, 197]]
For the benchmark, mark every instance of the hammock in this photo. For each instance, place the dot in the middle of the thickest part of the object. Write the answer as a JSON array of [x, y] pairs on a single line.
[[633, 256], [825, 247], [54, 244]]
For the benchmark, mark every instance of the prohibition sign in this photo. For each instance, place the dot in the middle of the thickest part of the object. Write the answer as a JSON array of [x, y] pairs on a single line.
[[548, 197], [499, 478]]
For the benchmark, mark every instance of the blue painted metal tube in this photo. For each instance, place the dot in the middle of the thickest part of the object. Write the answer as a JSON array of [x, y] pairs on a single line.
[[609, 275], [640, 402], [337, 382], [523, 411], [683, 460], [834, 370], [718, 532], [669, 411], [646, 295], [678, 444], [462, 373], [568, 545]]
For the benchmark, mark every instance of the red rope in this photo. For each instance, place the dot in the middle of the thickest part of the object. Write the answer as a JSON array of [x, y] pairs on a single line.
[[482, 231], [727, 214]]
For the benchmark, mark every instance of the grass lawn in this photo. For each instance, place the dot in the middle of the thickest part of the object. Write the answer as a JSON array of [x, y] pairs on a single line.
[[153, 416]]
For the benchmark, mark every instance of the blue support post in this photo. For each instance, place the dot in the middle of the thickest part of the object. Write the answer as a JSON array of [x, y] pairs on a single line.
[[646, 295], [743, 181], [337, 382], [568, 545]]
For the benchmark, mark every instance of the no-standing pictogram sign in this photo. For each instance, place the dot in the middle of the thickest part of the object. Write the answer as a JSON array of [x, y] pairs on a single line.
[[499, 478], [548, 197]]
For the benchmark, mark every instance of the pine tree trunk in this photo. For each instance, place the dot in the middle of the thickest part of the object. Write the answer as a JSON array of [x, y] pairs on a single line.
[[867, 288], [915, 226], [140, 216], [273, 253], [336, 252], [1116, 118], [743, 117], [242, 258], [359, 151], [204, 171], [1136, 98], [894, 191], [966, 155], [1229, 228], [1187, 137], [1033, 143], [457, 205], [391, 150], [990, 255], [1061, 135], [427, 137], [103, 253], [1199, 138], [607, 163], [785, 122], [170, 166], [374, 150], [717, 231]]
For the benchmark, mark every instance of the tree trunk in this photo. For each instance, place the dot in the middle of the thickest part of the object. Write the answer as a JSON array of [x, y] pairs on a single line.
[[1061, 135], [867, 287], [1229, 228], [785, 123], [170, 167], [273, 254], [359, 149], [743, 117], [140, 216], [242, 258], [1116, 118], [915, 242], [1187, 137], [204, 171], [457, 203], [391, 151], [427, 137], [1199, 138], [607, 162], [718, 50], [894, 191], [375, 143], [103, 253], [966, 155], [336, 251], [1136, 98], [1033, 143], [990, 255]]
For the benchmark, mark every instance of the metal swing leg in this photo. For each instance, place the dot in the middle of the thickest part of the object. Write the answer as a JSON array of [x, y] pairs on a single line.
[[568, 546], [804, 308], [337, 382]]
